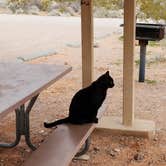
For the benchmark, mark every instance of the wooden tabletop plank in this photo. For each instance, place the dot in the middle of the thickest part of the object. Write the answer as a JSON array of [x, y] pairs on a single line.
[[19, 82]]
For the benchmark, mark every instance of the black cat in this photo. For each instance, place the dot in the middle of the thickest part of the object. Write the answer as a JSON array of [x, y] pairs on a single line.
[[86, 102]]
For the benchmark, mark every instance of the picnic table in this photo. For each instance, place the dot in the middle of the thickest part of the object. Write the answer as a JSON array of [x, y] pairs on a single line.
[[20, 86]]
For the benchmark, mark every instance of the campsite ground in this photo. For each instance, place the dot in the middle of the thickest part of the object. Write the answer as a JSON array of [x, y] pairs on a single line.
[[105, 149]]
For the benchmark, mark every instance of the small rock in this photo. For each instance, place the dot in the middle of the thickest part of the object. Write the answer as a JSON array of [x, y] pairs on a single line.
[[65, 63], [117, 150], [42, 140], [71, 11], [100, 12], [19, 11], [138, 157], [53, 6], [33, 10], [96, 45], [122, 139], [41, 131], [75, 6], [54, 12], [28, 150], [73, 44], [115, 13], [155, 139], [96, 149], [112, 153], [65, 14]]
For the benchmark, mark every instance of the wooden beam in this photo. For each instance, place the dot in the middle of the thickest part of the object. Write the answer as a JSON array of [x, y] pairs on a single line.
[[128, 66], [87, 41]]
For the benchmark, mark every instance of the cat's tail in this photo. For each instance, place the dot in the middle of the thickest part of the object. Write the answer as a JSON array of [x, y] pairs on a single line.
[[58, 122]]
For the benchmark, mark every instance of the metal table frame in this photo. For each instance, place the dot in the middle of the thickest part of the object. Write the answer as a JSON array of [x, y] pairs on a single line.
[[23, 86], [22, 125]]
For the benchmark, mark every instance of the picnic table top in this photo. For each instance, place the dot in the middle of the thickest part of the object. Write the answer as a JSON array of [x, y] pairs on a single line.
[[19, 82]]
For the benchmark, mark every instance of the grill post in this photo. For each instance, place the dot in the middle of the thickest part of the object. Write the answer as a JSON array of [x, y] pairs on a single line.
[[143, 44]]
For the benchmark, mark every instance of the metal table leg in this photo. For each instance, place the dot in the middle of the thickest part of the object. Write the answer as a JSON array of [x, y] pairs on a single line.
[[84, 148], [143, 44], [22, 125]]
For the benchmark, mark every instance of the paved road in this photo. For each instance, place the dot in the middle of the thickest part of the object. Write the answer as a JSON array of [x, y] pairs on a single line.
[[26, 37]]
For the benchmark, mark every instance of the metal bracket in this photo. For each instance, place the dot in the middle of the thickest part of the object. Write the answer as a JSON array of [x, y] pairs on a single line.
[[22, 125]]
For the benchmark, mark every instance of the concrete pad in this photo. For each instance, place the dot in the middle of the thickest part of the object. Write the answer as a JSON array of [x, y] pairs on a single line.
[[84, 157], [142, 128]]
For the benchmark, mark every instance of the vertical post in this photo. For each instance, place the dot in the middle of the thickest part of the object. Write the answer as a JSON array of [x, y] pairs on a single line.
[[142, 44], [128, 64], [87, 41]]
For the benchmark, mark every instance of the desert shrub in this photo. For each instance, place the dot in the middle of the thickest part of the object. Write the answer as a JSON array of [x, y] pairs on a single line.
[[44, 4], [19, 3], [155, 9], [109, 4]]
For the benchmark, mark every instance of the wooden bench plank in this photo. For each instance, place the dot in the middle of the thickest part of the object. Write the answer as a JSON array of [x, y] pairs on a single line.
[[62, 145]]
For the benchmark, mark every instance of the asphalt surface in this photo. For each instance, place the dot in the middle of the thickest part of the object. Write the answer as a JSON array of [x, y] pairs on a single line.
[[24, 37]]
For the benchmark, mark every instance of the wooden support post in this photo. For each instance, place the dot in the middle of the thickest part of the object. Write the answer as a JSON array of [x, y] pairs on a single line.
[[128, 65], [137, 127], [87, 41]]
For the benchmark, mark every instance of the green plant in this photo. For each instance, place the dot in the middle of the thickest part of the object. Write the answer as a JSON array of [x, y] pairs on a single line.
[[158, 59], [62, 9], [45, 4], [150, 81], [121, 38], [137, 62], [154, 9], [153, 43], [109, 4], [19, 3]]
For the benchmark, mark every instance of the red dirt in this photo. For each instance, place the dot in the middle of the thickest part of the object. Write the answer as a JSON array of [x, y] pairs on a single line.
[[105, 149]]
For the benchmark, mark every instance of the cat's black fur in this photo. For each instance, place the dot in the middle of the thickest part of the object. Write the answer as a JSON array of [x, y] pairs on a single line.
[[86, 102]]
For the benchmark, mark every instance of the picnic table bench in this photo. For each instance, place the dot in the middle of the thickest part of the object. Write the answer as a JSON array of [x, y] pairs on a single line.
[[63, 144], [20, 83]]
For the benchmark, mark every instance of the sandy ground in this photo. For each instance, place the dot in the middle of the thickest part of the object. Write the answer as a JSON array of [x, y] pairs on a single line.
[[105, 149]]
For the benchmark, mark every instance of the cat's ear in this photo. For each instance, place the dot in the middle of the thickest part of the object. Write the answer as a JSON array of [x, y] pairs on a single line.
[[107, 73]]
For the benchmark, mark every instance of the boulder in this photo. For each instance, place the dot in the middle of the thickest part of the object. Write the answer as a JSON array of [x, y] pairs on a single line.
[[76, 6], [53, 6], [19, 11], [71, 11], [100, 12], [115, 14], [54, 12], [33, 10]]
